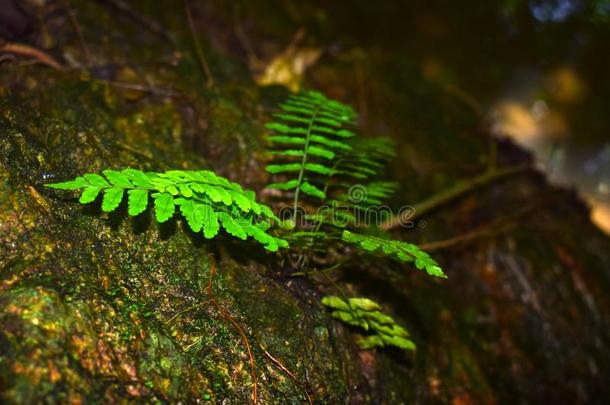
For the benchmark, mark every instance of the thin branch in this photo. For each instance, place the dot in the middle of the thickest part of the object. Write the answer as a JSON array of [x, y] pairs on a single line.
[[200, 55], [465, 237], [453, 193], [26, 50], [303, 162], [488, 230], [143, 88], [79, 32], [141, 19]]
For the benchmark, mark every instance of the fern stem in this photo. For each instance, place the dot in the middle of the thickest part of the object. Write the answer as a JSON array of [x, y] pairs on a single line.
[[303, 162], [307, 248], [453, 193]]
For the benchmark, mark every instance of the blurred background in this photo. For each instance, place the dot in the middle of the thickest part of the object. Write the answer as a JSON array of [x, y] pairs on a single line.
[[533, 69]]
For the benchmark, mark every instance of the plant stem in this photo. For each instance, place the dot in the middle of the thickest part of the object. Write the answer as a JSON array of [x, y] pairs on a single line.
[[461, 188], [303, 162]]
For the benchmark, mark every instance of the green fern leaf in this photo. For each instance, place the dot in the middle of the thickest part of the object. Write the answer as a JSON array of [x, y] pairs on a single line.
[[205, 199], [330, 142], [164, 206], [312, 190], [288, 167], [269, 242], [137, 201], [232, 226], [341, 133], [365, 313], [370, 342], [191, 212], [398, 341], [185, 190], [89, 194], [117, 179], [211, 226], [139, 178], [75, 184], [285, 129], [336, 303], [172, 189], [112, 198], [225, 197], [364, 304], [398, 250], [288, 185], [241, 201], [316, 124], [96, 180]]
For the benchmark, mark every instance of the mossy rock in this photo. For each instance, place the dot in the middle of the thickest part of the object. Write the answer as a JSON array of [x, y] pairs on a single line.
[[98, 308]]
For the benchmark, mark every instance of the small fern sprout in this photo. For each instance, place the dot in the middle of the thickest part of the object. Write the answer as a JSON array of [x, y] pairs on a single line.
[[366, 314], [206, 201]]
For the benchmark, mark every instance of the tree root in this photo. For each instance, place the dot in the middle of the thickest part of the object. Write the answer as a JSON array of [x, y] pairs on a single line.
[[288, 372], [26, 50], [225, 314]]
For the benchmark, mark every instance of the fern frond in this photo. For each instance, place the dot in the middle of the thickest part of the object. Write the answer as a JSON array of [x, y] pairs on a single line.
[[366, 158], [310, 130], [397, 250], [205, 200], [366, 314]]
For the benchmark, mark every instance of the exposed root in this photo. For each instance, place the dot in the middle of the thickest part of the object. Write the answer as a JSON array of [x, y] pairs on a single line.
[[464, 238], [145, 89], [26, 50], [225, 314], [288, 372], [184, 311]]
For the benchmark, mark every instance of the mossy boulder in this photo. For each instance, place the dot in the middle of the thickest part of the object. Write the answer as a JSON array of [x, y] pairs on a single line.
[[100, 307]]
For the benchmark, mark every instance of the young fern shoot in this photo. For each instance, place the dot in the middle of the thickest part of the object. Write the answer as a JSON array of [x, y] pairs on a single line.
[[366, 314]]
